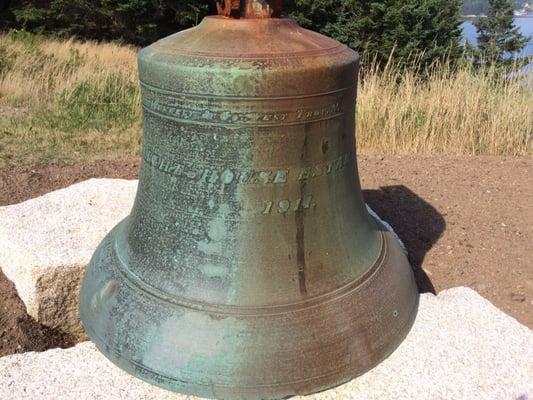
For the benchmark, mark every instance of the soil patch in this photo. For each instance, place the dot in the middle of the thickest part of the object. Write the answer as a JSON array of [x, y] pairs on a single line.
[[18, 184], [466, 221], [19, 332]]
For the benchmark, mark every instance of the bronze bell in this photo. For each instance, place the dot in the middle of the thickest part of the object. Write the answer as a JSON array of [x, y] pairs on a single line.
[[249, 267]]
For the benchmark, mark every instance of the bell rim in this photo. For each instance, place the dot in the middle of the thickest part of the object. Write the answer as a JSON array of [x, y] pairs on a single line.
[[133, 367]]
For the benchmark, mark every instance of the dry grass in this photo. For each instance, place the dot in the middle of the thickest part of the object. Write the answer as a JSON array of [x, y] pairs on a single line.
[[447, 112], [62, 100]]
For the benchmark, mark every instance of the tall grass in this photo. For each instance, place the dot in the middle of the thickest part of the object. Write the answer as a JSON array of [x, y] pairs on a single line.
[[67, 100], [70, 100], [444, 110]]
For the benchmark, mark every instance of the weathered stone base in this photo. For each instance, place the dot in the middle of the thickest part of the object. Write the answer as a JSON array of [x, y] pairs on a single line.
[[461, 347], [45, 244]]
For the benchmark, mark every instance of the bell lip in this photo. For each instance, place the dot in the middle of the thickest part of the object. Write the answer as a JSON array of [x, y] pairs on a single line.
[[207, 391], [306, 386]]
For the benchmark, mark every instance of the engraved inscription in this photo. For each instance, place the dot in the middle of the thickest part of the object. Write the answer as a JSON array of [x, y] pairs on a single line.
[[284, 206], [332, 109], [227, 111], [185, 112], [230, 176]]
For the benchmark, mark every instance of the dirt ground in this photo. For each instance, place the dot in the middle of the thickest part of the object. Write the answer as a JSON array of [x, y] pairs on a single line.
[[466, 221]]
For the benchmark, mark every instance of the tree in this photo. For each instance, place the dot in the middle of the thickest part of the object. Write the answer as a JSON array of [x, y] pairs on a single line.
[[133, 21], [499, 40], [429, 29], [474, 7]]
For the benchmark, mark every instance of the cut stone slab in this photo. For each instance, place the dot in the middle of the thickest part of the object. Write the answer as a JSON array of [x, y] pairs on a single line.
[[46, 242], [460, 347], [387, 226]]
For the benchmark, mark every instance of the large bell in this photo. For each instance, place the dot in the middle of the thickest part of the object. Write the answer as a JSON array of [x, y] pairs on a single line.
[[249, 267]]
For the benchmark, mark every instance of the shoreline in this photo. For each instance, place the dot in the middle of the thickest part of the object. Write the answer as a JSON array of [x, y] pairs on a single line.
[[470, 17]]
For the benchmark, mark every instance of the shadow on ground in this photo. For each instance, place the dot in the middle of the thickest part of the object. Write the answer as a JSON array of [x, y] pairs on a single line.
[[416, 222]]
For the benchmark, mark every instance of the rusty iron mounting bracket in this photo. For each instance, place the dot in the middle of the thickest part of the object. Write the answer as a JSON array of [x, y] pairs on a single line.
[[249, 8]]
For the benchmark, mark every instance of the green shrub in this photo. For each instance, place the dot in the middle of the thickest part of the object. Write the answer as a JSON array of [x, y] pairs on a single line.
[[133, 21], [99, 105], [30, 40]]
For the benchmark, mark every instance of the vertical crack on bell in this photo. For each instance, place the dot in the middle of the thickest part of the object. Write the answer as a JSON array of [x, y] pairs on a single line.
[[300, 251], [300, 231]]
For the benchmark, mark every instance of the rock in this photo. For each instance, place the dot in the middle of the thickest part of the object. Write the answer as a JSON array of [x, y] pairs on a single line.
[[45, 244], [460, 347], [387, 226]]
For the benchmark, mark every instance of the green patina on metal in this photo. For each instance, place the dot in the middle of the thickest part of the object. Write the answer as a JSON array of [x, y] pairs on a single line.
[[249, 267]]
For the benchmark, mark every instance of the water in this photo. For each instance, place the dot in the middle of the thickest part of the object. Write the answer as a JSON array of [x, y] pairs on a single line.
[[525, 24]]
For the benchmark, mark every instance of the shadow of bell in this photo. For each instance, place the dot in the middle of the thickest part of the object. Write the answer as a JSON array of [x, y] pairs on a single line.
[[416, 222]]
